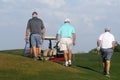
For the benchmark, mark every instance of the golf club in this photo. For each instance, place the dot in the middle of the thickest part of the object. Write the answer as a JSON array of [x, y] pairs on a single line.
[[99, 62]]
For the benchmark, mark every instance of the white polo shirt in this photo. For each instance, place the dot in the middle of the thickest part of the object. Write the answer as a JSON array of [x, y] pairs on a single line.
[[106, 40]]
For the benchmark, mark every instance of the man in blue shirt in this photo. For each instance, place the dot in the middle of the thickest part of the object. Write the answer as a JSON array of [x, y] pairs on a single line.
[[67, 36]]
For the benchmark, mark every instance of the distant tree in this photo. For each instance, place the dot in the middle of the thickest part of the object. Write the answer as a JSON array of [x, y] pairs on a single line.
[[93, 51], [117, 47]]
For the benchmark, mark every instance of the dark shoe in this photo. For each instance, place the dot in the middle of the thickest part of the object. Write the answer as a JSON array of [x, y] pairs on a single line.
[[107, 75], [104, 72], [69, 63], [36, 58]]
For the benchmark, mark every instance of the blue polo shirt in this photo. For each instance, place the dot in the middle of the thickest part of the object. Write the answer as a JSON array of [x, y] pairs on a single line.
[[66, 30]]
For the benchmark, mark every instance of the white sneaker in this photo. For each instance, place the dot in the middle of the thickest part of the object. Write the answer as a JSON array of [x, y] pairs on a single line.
[[66, 65], [107, 75]]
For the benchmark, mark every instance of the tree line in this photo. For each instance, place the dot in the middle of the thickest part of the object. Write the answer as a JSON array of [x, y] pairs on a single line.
[[117, 48]]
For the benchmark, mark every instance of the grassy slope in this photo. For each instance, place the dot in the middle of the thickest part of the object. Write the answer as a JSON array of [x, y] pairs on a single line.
[[13, 66]]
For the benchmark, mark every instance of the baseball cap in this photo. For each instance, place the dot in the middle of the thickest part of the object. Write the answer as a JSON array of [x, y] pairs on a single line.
[[107, 28], [67, 20]]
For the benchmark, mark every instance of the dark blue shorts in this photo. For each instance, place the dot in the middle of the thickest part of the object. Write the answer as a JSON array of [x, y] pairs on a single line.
[[106, 54]]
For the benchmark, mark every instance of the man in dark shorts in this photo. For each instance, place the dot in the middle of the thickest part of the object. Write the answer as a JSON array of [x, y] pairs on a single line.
[[106, 44], [36, 29]]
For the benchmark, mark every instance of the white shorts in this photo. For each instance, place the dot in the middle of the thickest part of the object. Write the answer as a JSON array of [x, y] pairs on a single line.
[[65, 44]]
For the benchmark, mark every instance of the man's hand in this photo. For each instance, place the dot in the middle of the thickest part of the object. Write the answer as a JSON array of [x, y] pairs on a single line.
[[74, 43], [43, 38], [27, 39], [98, 48]]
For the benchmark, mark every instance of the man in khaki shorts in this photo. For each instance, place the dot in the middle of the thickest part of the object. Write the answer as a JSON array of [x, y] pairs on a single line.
[[68, 37]]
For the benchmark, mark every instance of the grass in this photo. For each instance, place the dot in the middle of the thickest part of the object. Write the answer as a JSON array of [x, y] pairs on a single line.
[[13, 66]]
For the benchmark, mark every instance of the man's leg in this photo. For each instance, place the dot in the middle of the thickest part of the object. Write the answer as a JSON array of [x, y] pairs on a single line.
[[69, 47], [33, 44], [70, 54], [38, 44], [38, 51], [69, 57], [35, 51], [65, 57], [103, 56], [107, 66], [108, 57]]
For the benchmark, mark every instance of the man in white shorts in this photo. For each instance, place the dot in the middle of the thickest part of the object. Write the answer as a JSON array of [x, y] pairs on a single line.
[[68, 37], [106, 44]]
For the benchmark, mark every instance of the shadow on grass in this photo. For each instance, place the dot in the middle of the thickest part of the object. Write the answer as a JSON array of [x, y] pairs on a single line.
[[88, 68]]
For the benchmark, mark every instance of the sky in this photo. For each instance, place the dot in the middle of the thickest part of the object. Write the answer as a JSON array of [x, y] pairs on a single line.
[[89, 17]]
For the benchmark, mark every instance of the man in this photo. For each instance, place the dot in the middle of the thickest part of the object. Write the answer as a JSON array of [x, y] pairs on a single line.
[[36, 29], [68, 37], [106, 44]]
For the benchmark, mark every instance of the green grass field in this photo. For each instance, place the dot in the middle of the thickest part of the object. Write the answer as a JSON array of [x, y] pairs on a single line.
[[14, 66]]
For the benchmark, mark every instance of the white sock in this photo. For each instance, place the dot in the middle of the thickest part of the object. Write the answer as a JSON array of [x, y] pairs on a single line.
[[69, 61], [66, 62]]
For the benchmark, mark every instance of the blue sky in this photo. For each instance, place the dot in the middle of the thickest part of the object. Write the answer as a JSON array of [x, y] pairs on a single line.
[[89, 17]]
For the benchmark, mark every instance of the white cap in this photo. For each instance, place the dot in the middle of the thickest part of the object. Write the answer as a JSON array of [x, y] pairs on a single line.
[[107, 28], [67, 20]]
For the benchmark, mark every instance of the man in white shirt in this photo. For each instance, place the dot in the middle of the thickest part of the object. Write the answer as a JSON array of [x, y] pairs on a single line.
[[106, 44]]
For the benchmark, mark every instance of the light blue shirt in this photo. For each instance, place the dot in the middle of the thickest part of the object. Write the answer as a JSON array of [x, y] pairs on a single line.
[[66, 30]]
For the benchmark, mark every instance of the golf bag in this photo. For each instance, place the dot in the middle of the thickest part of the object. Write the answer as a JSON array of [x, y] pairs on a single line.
[[27, 50], [59, 52], [48, 54]]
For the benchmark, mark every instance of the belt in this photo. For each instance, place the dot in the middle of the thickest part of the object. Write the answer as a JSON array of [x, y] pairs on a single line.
[[107, 48]]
